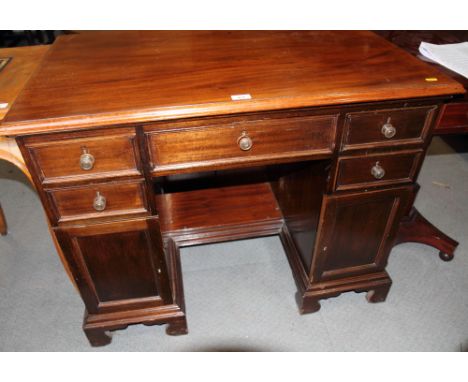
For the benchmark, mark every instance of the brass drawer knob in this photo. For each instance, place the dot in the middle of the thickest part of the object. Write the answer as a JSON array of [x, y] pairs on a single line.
[[388, 130], [377, 171], [99, 203], [86, 160], [244, 142]]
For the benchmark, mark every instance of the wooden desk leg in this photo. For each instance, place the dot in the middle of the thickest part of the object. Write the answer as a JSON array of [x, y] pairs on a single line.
[[3, 224], [416, 228], [98, 337]]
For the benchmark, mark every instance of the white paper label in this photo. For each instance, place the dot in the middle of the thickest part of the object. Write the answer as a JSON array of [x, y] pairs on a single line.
[[240, 97], [3, 105]]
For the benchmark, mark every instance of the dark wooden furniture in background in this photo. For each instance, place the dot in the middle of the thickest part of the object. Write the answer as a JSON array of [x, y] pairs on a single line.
[[17, 38], [453, 119], [454, 116], [3, 223], [140, 143]]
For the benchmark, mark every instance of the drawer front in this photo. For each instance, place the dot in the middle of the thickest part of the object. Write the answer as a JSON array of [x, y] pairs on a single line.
[[62, 158], [387, 127], [377, 170], [454, 118], [86, 202], [266, 141]]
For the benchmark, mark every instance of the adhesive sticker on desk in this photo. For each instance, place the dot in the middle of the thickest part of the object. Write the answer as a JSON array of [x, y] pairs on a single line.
[[240, 97], [3, 105]]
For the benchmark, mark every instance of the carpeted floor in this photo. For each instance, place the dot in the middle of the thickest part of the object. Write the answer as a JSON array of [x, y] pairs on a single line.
[[240, 295]]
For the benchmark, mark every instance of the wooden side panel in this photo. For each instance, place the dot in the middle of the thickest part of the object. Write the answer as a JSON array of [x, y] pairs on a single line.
[[454, 119], [299, 191], [118, 265], [357, 232]]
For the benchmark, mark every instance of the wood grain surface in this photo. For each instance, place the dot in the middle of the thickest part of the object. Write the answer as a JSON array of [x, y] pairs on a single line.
[[23, 61], [136, 76]]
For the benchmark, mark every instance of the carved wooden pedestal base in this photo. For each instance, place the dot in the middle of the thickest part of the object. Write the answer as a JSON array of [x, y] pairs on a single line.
[[99, 335], [97, 326], [413, 227], [177, 327], [416, 228], [376, 285]]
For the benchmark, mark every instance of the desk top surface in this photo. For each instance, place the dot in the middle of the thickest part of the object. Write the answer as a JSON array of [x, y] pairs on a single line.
[[93, 79]]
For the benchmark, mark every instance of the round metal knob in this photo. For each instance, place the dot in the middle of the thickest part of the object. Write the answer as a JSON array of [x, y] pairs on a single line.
[[244, 142], [86, 160], [377, 171], [388, 130], [99, 203]]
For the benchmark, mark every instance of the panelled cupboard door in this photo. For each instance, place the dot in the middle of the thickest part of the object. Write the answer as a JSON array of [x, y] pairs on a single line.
[[357, 232], [119, 265]]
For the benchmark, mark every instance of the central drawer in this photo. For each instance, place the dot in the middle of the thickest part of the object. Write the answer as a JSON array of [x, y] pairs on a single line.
[[260, 141]]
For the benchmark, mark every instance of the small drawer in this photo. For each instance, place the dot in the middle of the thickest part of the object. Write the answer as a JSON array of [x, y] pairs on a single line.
[[377, 170], [98, 200], [389, 127], [213, 145], [77, 156]]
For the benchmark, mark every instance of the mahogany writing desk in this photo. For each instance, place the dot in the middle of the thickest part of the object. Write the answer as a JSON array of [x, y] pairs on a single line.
[[140, 143]]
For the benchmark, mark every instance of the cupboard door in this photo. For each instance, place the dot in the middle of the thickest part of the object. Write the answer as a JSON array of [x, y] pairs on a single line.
[[357, 232], [118, 265]]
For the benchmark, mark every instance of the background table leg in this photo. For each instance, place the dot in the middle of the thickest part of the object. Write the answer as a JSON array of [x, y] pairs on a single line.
[[3, 224], [416, 228]]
